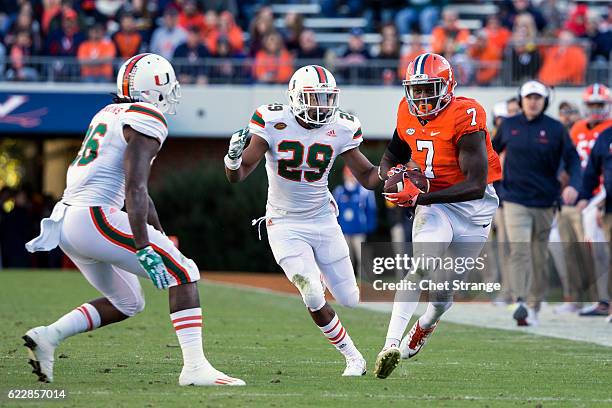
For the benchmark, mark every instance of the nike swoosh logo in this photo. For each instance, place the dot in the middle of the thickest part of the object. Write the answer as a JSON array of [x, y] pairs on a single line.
[[485, 226], [435, 133]]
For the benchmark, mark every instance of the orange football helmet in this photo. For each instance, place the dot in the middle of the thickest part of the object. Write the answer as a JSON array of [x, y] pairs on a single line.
[[597, 100], [429, 85]]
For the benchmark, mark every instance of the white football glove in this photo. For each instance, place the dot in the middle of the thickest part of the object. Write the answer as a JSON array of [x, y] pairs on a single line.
[[237, 143]]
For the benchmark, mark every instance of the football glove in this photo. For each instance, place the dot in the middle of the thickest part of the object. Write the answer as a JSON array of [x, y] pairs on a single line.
[[153, 264], [407, 197], [237, 143]]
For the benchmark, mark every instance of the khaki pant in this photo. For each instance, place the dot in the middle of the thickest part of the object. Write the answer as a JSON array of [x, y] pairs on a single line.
[[578, 258], [608, 231], [500, 270], [528, 229]]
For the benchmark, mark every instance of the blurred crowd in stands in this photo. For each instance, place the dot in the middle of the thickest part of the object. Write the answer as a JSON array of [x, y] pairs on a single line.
[[230, 41]]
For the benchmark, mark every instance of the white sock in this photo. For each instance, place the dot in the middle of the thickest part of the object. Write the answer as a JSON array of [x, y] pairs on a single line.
[[339, 337], [83, 318], [400, 317], [188, 326], [434, 311]]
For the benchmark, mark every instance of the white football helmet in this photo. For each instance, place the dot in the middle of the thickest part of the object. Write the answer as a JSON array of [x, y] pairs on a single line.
[[149, 78], [313, 95]]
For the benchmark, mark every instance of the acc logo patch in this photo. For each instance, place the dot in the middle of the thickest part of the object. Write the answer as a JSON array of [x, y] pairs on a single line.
[[280, 126], [410, 131]]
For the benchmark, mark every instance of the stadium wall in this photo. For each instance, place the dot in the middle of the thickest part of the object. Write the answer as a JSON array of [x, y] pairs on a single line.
[[208, 111]]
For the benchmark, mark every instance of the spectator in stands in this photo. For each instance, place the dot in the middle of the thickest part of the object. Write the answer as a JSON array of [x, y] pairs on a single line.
[[66, 9], [564, 63], [261, 26], [356, 213], [355, 57], [388, 56], [534, 145], [188, 59], [211, 18], [65, 41], [487, 56], [21, 68], [525, 57], [308, 48], [2, 59], [551, 11], [230, 31], [576, 21], [600, 34], [568, 114], [144, 13], [25, 22], [294, 25], [96, 56], [165, 39], [497, 35], [51, 8], [519, 7], [190, 16], [225, 69], [415, 48], [273, 63], [461, 62], [449, 30], [425, 12], [128, 40]]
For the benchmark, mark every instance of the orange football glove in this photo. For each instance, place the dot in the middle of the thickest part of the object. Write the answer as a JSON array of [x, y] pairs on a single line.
[[407, 197]]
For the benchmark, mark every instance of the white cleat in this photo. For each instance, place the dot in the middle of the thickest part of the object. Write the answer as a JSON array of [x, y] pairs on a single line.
[[41, 350], [207, 377], [415, 340], [355, 366], [386, 361]]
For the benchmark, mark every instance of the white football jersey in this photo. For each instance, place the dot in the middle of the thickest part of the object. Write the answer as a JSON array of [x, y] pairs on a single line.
[[298, 160], [97, 177]]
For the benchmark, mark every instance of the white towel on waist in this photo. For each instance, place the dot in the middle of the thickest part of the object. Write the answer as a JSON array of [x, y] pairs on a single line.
[[50, 229]]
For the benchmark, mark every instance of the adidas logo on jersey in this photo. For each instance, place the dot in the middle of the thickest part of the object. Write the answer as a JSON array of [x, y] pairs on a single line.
[[331, 133]]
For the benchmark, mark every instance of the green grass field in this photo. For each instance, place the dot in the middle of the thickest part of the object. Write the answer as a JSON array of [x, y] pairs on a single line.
[[269, 341]]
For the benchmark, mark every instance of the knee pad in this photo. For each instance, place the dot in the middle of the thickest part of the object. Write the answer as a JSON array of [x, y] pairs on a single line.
[[347, 295], [309, 287], [130, 306]]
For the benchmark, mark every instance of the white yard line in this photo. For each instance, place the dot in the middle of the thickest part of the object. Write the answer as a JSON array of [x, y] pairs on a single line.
[[566, 326]]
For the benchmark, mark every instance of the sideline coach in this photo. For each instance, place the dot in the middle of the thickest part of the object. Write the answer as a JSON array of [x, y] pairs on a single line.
[[535, 145]]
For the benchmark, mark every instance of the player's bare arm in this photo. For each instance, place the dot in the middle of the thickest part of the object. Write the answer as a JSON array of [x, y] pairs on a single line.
[[251, 156], [140, 151], [153, 218], [364, 171], [474, 165]]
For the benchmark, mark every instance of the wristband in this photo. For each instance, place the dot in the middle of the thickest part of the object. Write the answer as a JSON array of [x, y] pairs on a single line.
[[232, 164]]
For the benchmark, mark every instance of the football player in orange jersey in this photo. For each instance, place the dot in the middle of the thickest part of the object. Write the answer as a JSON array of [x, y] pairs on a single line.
[[597, 100], [446, 137]]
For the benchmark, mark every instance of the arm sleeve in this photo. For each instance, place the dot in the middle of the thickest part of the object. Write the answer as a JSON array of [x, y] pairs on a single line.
[[398, 148], [470, 118], [590, 179], [146, 119], [572, 161]]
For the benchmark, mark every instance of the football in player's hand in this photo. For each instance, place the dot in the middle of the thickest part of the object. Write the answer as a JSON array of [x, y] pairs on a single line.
[[395, 183]]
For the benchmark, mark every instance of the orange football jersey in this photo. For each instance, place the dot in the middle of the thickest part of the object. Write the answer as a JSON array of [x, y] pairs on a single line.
[[584, 138], [434, 145]]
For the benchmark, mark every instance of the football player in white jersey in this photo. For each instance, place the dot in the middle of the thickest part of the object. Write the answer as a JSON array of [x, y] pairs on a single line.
[[111, 247], [300, 143]]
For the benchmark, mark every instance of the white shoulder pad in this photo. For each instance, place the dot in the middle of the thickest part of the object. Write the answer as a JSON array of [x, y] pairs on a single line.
[[350, 126], [146, 119], [266, 116]]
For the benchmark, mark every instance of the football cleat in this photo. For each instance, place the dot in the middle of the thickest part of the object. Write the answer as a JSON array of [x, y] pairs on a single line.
[[386, 361], [532, 318], [520, 314], [415, 340], [355, 366], [207, 377], [566, 307], [41, 350], [598, 309]]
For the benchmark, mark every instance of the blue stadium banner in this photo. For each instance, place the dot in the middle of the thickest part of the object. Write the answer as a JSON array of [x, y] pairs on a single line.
[[57, 112]]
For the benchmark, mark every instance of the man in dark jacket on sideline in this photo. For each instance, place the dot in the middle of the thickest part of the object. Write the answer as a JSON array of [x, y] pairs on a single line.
[[534, 144]]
